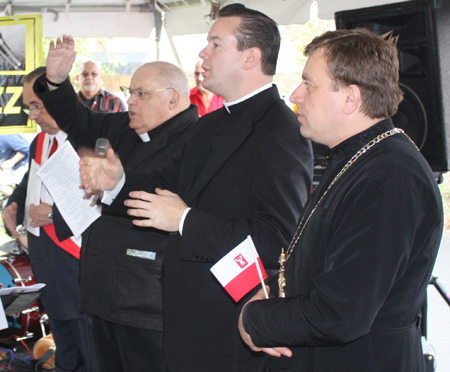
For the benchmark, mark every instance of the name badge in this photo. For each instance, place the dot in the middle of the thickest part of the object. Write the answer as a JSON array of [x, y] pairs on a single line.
[[141, 254]]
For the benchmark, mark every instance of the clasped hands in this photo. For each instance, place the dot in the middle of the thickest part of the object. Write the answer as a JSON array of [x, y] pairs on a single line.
[[162, 210]]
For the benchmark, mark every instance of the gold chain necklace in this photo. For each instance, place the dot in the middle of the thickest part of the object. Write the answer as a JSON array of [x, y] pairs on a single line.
[[301, 226]]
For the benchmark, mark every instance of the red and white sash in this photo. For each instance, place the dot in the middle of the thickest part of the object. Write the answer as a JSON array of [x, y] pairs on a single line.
[[68, 245]]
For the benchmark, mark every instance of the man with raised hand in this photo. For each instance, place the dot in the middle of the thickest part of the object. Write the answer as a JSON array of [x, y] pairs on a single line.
[[121, 263]]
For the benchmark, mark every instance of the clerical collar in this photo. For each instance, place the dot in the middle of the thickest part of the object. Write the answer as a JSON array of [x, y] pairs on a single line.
[[151, 134], [353, 144], [254, 93]]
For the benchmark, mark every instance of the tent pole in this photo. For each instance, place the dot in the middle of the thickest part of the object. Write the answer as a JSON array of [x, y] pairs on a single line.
[[158, 27], [175, 53]]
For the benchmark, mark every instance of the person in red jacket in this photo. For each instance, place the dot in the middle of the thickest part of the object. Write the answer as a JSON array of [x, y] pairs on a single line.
[[206, 100]]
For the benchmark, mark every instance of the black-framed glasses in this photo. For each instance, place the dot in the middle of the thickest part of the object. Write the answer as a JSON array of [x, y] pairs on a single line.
[[140, 94], [34, 110]]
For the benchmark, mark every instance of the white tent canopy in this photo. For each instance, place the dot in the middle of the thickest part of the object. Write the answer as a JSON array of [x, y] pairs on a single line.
[[137, 18]]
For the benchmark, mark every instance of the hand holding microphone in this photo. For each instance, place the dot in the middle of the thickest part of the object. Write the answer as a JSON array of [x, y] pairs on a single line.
[[101, 146], [100, 172]]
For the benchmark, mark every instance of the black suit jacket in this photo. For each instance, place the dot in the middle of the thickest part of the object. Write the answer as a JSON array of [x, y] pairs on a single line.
[[50, 264], [244, 173], [117, 283]]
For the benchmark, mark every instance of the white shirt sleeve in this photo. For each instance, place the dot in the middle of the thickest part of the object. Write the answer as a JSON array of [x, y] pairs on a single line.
[[183, 217], [109, 196]]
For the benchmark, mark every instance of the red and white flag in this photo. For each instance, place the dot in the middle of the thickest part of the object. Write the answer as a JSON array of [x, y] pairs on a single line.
[[238, 271]]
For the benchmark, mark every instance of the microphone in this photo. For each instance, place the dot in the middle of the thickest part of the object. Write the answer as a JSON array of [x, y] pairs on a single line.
[[101, 146]]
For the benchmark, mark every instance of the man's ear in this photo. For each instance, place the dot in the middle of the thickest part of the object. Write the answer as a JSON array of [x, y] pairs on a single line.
[[253, 57], [174, 100], [352, 99]]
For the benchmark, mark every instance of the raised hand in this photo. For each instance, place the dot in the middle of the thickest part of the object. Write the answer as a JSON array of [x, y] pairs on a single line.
[[60, 59]]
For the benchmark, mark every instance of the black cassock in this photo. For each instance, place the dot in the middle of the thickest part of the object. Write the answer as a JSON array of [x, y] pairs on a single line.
[[357, 278]]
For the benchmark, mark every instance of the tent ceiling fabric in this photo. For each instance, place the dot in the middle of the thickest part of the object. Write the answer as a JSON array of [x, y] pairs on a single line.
[[99, 24], [282, 11], [108, 18]]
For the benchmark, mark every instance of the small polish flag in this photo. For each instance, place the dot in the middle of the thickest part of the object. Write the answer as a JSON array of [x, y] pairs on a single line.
[[240, 270]]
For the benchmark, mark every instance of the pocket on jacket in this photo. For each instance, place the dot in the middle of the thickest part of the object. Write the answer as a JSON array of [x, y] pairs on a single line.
[[138, 287]]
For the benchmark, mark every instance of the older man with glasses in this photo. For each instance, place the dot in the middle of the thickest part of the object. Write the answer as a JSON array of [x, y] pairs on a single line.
[[121, 264], [91, 94], [54, 252]]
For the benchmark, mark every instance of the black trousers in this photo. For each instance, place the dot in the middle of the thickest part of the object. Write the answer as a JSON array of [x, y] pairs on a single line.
[[75, 350], [122, 348]]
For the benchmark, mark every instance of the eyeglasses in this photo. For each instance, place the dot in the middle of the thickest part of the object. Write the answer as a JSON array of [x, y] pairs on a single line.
[[93, 74], [140, 94], [35, 111]]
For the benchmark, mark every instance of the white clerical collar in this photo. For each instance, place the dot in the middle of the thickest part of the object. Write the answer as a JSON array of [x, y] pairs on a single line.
[[254, 93], [144, 137]]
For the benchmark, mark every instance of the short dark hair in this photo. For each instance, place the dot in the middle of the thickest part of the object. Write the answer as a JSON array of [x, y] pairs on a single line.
[[33, 75], [361, 58], [256, 30]]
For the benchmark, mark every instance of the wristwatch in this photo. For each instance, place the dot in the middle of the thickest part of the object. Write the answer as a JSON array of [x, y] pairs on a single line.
[[50, 217]]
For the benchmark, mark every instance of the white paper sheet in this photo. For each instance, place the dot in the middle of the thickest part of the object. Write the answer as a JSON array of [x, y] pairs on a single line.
[[21, 289], [3, 320], [60, 175], [33, 196]]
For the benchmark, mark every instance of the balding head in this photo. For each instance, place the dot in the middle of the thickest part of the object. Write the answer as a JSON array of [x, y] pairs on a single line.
[[159, 91], [170, 75]]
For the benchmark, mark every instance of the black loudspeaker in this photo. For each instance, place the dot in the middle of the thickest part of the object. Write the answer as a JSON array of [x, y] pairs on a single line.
[[423, 31]]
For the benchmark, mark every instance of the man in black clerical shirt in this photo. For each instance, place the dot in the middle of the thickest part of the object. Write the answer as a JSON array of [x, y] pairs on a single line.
[[120, 263], [357, 268], [246, 170]]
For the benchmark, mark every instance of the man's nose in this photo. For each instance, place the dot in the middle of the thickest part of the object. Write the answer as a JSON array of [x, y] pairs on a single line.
[[33, 116]]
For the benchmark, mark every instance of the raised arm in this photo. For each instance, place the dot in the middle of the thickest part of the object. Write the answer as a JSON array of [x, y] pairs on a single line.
[[60, 59]]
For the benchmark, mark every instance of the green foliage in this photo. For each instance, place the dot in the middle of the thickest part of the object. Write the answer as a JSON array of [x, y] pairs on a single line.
[[302, 35]]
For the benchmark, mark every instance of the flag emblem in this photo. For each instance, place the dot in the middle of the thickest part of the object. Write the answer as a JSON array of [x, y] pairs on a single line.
[[241, 261]]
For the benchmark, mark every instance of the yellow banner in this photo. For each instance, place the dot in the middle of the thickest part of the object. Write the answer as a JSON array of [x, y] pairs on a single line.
[[20, 53]]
